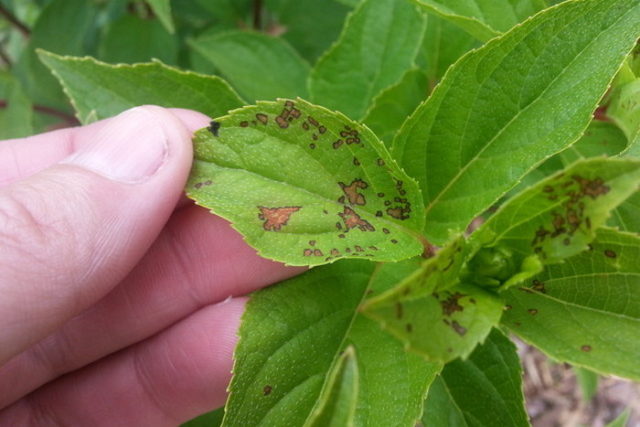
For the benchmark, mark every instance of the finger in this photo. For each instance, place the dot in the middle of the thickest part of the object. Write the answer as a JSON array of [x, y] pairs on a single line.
[[197, 260], [166, 380], [70, 233], [23, 157]]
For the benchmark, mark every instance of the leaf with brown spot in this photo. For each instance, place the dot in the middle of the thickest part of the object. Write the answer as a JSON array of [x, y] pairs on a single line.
[[538, 230], [585, 311], [280, 194]]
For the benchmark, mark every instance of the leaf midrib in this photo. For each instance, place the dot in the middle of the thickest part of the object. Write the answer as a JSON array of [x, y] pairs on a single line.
[[434, 201]]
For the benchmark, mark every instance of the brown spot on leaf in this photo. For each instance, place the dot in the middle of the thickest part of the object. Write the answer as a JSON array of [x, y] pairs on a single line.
[[385, 231], [592, 188], [351, 191], [275, 218], [262, 118], [380, 162], [335, 252], [356, 162], [214, 127], [399, 213], [317, 252], [507, 307], [610, 254], [244, 124], [341, 236], [458, 328], [307, 252], [409, 327], [586, 348], [312, 242], [358, 248], [352, 220], [267, 390], [394, 241], [533, 311], [450, 305], [539, 286]]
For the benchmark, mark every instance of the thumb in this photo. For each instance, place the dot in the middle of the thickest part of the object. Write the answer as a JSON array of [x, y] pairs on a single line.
[[70, 233]]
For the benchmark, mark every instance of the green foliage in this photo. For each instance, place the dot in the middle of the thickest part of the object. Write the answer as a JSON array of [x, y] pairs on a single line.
[[341, 195], [468, 152], [379, 42], [483, 19], [484, 390], [585, 311], [98, 90], [238, 55]]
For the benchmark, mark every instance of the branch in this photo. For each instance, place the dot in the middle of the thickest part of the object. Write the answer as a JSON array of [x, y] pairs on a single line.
[[257, 15], [67, 118], [14, 21]]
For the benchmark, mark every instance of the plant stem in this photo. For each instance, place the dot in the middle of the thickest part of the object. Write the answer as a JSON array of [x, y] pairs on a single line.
[[257, 15], [10, 17], [67, 118]]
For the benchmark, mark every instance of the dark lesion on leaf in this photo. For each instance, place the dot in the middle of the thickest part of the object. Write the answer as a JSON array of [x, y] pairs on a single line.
[[288, 114], [566, 221], [610, 254], [451, 305], [266, 390], [352, 220], [457, 327], [199, 185], [214, 127], [275, 218], [351, 191]]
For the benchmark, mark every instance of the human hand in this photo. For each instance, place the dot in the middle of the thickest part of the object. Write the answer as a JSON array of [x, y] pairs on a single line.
[[113, 289]]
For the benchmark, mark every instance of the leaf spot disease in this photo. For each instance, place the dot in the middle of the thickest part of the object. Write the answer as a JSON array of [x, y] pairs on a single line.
[[199, 185], [352, 220], [262, 118], [351, 191], [586, 348], [533, 311], [610, 254], [214, 127], [275, 218], [450, 305], [266, 391]]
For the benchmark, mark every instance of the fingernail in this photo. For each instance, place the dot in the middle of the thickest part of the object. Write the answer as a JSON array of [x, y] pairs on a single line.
[[130, 148]]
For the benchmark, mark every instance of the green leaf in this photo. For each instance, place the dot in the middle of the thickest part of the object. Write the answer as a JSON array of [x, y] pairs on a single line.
[[305, 323], [624, 110], [306, 186], [392, 106], [310, 26], [557, 218], [585, 311], [626, 215], [210, 419], [162, 9], [63, 27], [507, 106], [444, 43], [441, 326], [133, 39], [16, 116], [98, 90], [258, 65], [337, 404], [484, 390], [600, 139], [588, 382], [484, 19], [379, 42]]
